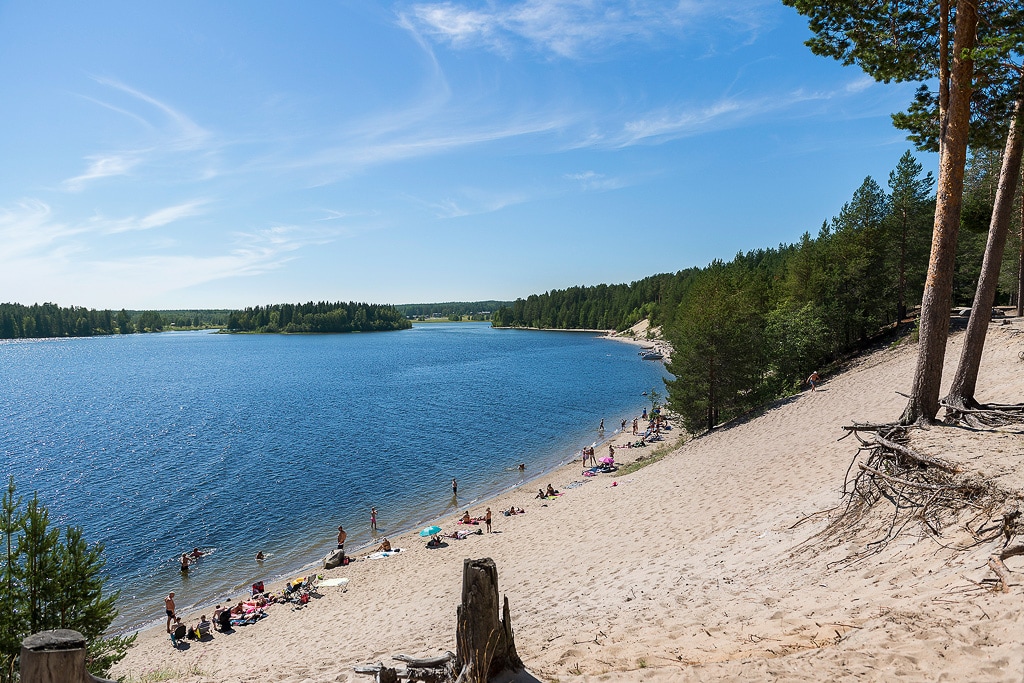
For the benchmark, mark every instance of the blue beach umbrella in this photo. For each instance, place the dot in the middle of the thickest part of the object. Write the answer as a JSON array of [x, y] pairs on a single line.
[[430, 531]]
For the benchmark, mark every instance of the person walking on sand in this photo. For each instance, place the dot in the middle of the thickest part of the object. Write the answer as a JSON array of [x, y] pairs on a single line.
[[635, 423], [814, 380], [169, 609], [487, 520], [373, 519]]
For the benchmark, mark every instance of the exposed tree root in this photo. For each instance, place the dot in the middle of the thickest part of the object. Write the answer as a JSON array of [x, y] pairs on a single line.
[[982, 416], [997, 565], [924, 493]]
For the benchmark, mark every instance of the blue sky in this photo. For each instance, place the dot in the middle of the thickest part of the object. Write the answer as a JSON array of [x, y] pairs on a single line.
[[202, 155]]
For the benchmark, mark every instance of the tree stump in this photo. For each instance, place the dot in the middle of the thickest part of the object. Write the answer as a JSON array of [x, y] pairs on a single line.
[[55, 657], [484, 642]]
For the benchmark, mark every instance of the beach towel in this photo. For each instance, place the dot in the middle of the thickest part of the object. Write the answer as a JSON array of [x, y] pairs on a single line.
[[382, 554], [334, 583]]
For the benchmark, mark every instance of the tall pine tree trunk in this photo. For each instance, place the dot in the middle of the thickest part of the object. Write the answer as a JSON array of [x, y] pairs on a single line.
[[943, 71], [961, 393], [938, 288], [1020, 260]]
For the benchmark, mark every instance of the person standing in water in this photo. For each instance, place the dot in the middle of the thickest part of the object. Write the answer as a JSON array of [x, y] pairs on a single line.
[[341, 538], [455, 487], [373, 519]]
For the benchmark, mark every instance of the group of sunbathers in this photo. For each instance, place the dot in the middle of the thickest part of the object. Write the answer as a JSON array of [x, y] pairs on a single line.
[[551, 491], [467, 519]]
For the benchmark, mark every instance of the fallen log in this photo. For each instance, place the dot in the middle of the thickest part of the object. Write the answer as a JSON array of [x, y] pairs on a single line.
[[425, 662]]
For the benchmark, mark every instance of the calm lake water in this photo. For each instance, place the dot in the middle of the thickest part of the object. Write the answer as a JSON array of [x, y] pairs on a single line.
[[158, 443]]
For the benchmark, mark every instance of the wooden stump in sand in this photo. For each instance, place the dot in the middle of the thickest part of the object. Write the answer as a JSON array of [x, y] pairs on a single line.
[[485, 644]]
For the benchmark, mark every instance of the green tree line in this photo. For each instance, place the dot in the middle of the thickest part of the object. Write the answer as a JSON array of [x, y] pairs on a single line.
[[753, 328], [454, 310], [318, 317], [49, 319], [51, 578], [600, 307]]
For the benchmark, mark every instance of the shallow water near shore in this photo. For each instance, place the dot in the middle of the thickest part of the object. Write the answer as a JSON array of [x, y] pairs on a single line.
[[156, 444]]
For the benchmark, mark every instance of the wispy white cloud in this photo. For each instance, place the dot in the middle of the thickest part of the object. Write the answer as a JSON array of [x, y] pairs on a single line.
[[591, 180], [27, 227], [381, 149], [673, 124], [184, 132], [103, 167], [859, 85], [473, 202], [168, 131], [670, 123], [42, 254], [155, 219], [574, 28]]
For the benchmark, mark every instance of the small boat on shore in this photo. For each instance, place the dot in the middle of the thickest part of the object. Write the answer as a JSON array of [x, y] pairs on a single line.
[[651, 355]]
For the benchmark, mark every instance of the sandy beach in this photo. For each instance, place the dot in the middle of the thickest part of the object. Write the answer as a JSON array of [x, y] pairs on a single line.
[[702, 566]]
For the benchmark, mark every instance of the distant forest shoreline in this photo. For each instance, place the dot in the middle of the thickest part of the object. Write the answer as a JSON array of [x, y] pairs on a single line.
[[49, 320]]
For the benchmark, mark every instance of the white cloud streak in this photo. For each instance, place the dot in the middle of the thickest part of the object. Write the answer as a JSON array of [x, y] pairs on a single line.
[[103, 167], [171, 132], [573, 29], [45, 259]]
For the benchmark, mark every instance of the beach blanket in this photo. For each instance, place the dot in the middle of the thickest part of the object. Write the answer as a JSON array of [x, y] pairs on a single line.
[[382, 554], [333, 583]]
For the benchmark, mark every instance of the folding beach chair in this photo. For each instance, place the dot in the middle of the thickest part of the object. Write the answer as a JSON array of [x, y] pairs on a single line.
[[178, 634]]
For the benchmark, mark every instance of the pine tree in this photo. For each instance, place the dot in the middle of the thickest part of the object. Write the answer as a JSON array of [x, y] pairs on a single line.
[[50, 581], [907, 227]]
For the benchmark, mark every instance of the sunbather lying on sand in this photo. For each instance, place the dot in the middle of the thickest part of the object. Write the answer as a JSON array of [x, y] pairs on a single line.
[[460, 535]]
